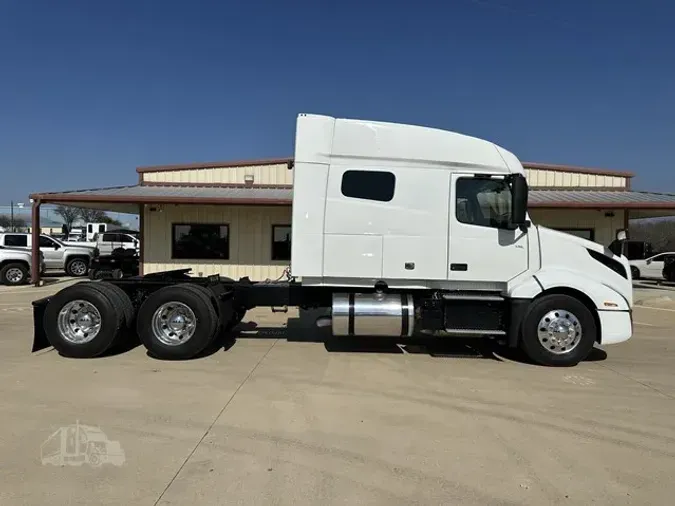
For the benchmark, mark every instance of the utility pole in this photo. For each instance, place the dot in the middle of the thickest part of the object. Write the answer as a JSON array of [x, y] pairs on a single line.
[[11, 212]]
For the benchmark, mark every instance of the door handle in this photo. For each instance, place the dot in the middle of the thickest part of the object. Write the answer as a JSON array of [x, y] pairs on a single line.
[[459, 267]]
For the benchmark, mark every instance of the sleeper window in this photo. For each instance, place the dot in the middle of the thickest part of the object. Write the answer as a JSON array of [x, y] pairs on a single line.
[[369, 185]]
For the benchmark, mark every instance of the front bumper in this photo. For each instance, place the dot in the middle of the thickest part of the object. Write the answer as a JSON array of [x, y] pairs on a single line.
[[615, 326]]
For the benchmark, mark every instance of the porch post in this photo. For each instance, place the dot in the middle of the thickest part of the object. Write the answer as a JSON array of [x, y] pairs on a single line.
[[141, 236], [35, 246]]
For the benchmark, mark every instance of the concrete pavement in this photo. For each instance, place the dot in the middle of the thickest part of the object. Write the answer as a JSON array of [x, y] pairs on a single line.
[[279, 419]]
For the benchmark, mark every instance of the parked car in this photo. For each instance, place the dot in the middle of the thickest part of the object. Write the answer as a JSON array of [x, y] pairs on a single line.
[[15, 265], [650, 268], [74, 259]]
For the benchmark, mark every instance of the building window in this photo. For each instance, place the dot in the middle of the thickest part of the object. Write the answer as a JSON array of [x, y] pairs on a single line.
[[281, 242], [369, 185], [200, 241], [483, 202], [16, 240]]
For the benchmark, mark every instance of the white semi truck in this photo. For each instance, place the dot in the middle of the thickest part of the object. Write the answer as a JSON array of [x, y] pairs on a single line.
[[398, 230]]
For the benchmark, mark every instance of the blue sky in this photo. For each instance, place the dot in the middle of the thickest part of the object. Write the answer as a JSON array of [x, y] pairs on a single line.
[[90, 89]]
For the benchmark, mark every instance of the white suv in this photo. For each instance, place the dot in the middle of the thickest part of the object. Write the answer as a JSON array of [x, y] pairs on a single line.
[[73, 259]]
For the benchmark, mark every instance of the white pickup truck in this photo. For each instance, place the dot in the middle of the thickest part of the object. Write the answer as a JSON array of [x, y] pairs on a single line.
[[15, 265], [107, 242]]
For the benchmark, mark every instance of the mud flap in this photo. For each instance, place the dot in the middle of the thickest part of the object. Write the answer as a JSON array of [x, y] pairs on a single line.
[[40, 341]]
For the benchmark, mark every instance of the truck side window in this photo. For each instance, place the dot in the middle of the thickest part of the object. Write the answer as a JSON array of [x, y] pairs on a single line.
[[483, 202], [46, 242], [369, 185], [17, 240]]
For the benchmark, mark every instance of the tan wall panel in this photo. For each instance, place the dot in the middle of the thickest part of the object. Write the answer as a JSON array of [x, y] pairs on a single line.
[[538, 178], [250, 240], [263, 174], [605, 226]]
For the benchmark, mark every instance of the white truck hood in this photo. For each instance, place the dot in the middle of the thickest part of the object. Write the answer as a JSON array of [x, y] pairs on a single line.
[[568, 252]]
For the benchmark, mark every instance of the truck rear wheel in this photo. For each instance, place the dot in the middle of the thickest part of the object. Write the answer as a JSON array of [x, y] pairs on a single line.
[[123, 301], [177, 322], [82, 321], [558, 330]]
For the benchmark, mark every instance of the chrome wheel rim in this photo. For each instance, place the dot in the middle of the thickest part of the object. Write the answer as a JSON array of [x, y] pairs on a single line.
[[559, 331], [78, 267], [79, 322], [14, 275], [174, 323]]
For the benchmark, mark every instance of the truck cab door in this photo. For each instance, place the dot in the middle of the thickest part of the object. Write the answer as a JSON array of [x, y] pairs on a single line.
[[483, 247]]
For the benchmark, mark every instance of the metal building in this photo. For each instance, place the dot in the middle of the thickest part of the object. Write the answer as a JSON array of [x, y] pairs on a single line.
[[234, 218]]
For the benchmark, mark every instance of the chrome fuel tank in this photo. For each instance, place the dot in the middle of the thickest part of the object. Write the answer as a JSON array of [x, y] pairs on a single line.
[[373, 314]]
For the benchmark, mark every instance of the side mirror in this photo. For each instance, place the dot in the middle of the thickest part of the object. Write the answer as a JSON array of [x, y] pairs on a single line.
[[519, 194], [57, 246], [621, 235], [649, 261]]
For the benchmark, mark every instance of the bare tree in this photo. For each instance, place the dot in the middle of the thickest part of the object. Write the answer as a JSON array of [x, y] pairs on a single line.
[[659, 232], [91, 215], [96, 216], [20, 222], [68, 215]]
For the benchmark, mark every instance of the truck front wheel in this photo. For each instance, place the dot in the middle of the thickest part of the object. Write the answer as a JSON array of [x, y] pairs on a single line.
[[177, 322], [558, 330]]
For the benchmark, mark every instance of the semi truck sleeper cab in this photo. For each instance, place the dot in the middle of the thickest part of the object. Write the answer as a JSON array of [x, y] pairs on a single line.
[[398, 230]]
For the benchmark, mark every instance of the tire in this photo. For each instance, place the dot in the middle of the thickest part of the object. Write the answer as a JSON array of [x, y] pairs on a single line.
[[56, 326], [185, 302], [570, 313], [117, 274], [14, 274], [77, 267], [123, 302], [92, 274], [634, 272]]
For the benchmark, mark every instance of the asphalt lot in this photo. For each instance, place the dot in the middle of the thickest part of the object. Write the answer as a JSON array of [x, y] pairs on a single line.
[[279, 419]]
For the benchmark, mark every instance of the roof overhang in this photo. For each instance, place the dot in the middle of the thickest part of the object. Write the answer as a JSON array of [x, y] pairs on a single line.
[[127, 198]]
